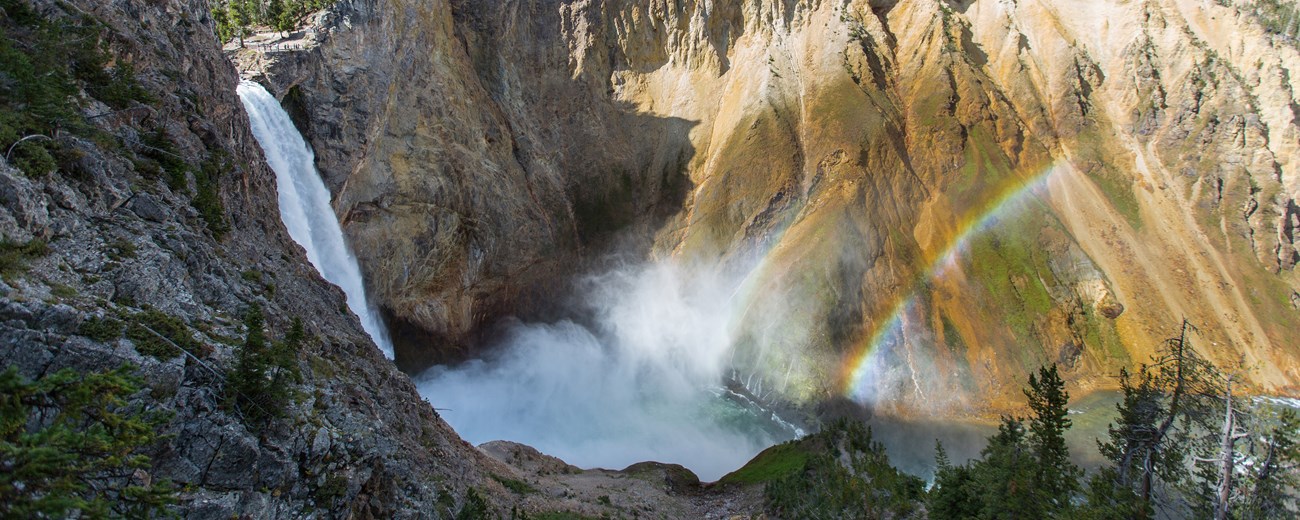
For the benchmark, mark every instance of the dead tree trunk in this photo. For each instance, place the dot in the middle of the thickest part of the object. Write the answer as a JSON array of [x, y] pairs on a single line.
[[1227, 454]]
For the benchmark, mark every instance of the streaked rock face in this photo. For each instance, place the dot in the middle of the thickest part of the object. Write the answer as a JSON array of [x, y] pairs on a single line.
[[938, 197]]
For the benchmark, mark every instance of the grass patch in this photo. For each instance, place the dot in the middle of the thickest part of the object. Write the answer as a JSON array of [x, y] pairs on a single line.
[[518, 486], [62, 291], [776, 462], [121, 249], [984, 169], [14, 256], [1120, 194]]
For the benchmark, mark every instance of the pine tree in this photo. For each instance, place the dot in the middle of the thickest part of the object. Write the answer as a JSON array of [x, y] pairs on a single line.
[[1057, 479], [1023, 472], [1106, 499], [240, 14], [1183, 405], [1273, 482], [1161, 404], [72, 446], [260, 381], [1005, 475], [953, 494]]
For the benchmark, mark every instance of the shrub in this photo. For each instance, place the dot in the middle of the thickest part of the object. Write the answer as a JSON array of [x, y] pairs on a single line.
[[207, 196], [518, 486], [162, 151], [474, 508], [101, 329], [171, 329]]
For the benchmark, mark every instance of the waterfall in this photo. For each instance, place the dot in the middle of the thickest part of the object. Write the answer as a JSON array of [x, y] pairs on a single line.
[[305, 205]]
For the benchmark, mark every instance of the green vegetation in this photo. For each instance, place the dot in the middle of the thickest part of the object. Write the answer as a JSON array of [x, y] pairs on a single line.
[[121, 250], [236, 18], [1181, 434], [1119, 191], [474, 508], [335, 486], [984, 169], [71, 446], [14, 256], [518, 486], [62, 291], [207, 197], [776, 462], [840, 472], [1181, 429], [48, 63], [260, 382], [1023, 471], [1278, 17], [1095, 157], [1007, 262], [53, 66], [142, 326], [101, 329], [161, 158]]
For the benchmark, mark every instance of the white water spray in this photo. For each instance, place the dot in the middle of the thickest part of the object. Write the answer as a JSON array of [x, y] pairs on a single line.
[[305, 205], [643, 382]]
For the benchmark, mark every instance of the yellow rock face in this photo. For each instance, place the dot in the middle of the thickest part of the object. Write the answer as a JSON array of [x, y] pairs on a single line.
[[940, 196]]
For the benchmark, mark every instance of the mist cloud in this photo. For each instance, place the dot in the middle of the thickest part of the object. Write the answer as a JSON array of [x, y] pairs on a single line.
[[641, 383]]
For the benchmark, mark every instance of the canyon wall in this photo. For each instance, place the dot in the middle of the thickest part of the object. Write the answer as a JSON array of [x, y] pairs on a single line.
[[933, 197]]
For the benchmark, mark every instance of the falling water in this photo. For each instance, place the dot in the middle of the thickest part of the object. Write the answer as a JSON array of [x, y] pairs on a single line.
[[305, 205]]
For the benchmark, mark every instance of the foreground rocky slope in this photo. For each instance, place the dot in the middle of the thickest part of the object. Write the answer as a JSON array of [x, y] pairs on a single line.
[[105, 236], [938, 196]]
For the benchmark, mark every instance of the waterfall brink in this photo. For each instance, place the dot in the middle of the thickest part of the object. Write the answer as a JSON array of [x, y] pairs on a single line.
[[305, 205]]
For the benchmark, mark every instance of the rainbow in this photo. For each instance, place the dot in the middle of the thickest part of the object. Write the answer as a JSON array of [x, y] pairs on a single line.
[[857, 370]]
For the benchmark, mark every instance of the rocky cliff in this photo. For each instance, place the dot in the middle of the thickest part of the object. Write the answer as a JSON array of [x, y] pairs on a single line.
[[938, 196], [115, 240]]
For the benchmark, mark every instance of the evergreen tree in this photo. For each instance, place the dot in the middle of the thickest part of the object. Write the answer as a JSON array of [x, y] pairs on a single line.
[[1108, 500], [1057, 479], [1023, 472], [846, 475], [71, 446], [1006, 474], [240, 15], [1162, 405], [262, 373], [953, 494], [1180, 425], [1275, 479]]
